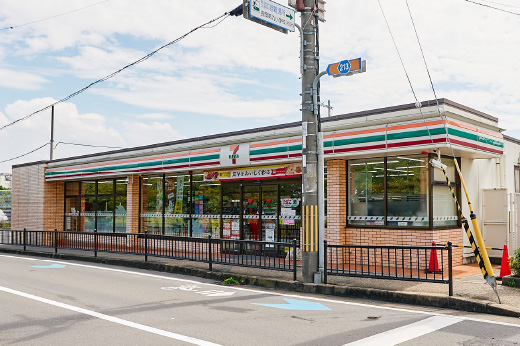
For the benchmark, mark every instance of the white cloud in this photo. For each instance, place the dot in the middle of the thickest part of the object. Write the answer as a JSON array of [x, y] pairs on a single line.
[[70, 127], [21, 80]]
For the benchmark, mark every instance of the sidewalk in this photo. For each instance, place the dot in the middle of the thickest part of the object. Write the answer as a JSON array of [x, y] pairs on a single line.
[[470, 290]]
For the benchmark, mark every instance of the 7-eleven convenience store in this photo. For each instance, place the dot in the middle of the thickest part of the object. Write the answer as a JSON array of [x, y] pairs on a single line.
[[380, 188]]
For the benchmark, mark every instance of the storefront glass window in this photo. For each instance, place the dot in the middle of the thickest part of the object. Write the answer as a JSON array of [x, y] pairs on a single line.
[[269, 213], [407, 191], [72, 206], [152, 204], [105, 206], [444, 207], [206, 207], [176, 213], [120, 207], [366, 192], [251, 212], [88, 213], [231, 211], [290, 219]]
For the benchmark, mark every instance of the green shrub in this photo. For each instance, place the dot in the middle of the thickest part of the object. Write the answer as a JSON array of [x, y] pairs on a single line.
[[514, 263], [231, 281]]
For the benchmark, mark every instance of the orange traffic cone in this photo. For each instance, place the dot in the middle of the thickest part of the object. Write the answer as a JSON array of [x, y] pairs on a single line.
[[433, 267], [504, 266]]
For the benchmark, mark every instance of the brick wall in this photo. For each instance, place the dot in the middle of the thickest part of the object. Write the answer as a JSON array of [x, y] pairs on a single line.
[[27, 209], [132, 204], [53, 205], [406, 237], [336, 201]]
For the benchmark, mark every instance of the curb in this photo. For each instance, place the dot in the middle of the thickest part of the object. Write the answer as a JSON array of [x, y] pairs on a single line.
[[412, 298]]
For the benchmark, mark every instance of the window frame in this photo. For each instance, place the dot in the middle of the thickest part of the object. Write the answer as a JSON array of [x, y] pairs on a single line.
[[432, 182]]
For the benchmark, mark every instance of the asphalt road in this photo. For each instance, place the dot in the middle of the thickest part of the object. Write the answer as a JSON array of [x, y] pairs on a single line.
[[46, 302]]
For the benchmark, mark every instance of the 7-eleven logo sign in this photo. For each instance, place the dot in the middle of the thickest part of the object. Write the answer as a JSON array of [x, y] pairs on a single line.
[[235, 155]]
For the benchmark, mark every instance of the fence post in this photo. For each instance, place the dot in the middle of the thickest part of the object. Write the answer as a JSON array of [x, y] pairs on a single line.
[[450, 268], [95, 242], [325, 261], [294, 259], [24, 239], [146, 245], [55, 241], [210, 254]]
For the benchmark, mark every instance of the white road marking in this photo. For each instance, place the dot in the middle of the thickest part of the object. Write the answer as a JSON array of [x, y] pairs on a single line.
[[408, 332], [111, 318], [266, 292]]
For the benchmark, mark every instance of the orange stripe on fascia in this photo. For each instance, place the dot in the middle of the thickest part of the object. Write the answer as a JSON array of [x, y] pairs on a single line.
[[476, 129], [360, 132], [205, 151], [268, 144], [414, 125]]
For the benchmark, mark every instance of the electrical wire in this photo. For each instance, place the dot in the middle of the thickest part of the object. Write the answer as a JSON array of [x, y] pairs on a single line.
[[146, 57], [58, 15], [443, 118], [87, 145], [30, 152], [417, 103], [498, 3], [495, 8]]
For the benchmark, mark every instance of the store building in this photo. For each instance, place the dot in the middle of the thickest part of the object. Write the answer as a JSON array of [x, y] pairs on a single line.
[[380, 188]]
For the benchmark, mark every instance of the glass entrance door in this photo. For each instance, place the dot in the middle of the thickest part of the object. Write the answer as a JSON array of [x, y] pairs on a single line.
[[251, 212], [269, 212]]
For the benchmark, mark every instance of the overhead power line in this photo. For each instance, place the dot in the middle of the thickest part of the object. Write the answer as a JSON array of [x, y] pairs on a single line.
[[58, 15], [87, 145], [147, 56], [30, 152], [495, 8]]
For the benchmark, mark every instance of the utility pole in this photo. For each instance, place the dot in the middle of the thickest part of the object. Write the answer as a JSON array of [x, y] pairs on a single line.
[[310, 256], [52, 133]]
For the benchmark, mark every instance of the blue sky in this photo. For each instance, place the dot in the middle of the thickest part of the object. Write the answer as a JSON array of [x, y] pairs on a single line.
[[237, 75]]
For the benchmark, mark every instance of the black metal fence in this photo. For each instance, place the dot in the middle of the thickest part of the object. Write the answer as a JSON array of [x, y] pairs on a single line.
[[406, 263], [257, 254]]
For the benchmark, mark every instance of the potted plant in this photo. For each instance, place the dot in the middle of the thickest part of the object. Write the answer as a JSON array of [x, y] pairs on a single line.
[[513, 280]]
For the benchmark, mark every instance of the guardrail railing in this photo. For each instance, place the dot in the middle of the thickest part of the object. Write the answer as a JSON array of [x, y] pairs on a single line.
[[246, 253], [406, 263]]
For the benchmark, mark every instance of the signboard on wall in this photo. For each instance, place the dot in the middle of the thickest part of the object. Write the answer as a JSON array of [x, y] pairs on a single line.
[[255, 173], [235, 155]]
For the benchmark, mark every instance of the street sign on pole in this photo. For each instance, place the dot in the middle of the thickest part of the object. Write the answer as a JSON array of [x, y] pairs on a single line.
[[273, 13], [347, 67]]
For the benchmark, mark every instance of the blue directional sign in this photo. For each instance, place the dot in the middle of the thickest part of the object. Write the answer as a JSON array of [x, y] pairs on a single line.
[[51, 266], [293, 304], [345, 67]]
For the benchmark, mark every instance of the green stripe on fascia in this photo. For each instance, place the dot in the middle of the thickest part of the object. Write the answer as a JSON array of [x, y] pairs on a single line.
[[462, 134], [417, 133], [328, 144], [359, 140], [168, 162], [490, 141], [295, 147], [270, 150], [205, 157]]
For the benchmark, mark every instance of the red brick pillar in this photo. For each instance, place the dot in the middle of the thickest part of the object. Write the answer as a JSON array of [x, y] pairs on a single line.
[[336, 201], [53, 205], [132, 204]]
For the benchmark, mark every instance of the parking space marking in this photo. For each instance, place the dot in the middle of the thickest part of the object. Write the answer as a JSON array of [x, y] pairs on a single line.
[[111, 318], [243, 289], [408, 332]]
